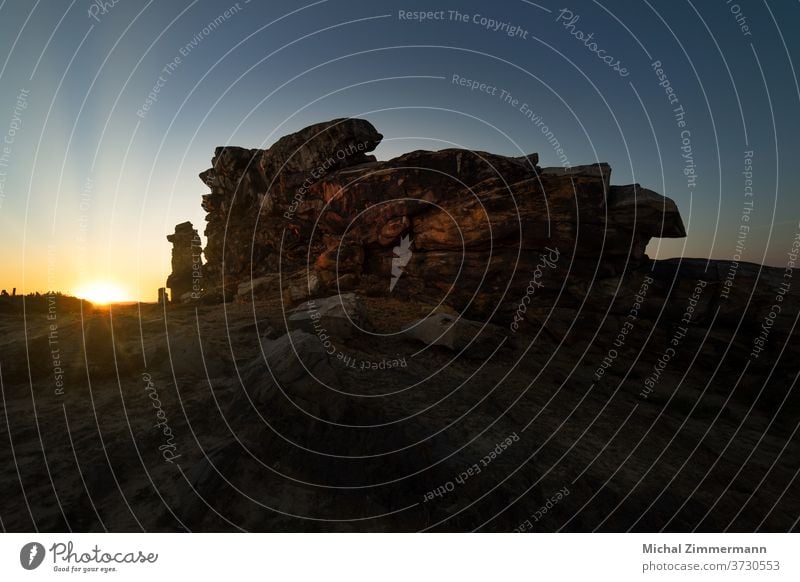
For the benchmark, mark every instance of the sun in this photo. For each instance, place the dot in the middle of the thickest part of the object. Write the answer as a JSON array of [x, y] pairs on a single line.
[[101, 292]]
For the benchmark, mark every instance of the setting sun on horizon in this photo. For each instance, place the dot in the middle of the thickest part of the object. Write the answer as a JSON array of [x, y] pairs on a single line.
[[102, 292]]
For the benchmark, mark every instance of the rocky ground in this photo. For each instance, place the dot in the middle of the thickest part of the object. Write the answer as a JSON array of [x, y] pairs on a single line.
[[448, 340], [349, 414]]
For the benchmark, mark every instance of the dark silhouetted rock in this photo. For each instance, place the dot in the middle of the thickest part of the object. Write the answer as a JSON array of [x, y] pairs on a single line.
[[186, 280], [471, 225]]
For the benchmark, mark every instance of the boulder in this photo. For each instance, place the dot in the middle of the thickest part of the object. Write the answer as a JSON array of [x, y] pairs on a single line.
[[645, 211], [457, 334], [321, 148], [295, 357], [340, 315], [304, 372]]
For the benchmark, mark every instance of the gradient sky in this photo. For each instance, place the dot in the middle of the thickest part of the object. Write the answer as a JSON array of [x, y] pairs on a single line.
[[89, 189]]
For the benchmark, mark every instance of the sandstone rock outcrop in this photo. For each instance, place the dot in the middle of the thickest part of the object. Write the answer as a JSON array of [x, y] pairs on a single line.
[[471, 226], [186, 280], [250, 189]]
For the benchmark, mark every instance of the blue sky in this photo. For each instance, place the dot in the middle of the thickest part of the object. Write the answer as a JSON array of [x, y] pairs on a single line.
[[89, 188]]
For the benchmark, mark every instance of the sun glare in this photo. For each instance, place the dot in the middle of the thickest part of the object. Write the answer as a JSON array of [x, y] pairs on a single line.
[[101, 292]]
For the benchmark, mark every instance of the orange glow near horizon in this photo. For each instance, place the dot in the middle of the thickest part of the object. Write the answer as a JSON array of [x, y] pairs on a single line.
[[102, 293]]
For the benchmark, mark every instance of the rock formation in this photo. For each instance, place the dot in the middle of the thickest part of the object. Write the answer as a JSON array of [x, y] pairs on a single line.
[[441, 342], [470, 227], [186, 280]]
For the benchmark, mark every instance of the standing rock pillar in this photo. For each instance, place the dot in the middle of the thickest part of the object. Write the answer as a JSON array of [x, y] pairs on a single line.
[[186, 281]]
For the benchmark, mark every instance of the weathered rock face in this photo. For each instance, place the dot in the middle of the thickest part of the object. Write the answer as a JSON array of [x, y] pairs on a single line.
[[185, 281], [324, 146], [464, 227], [251, 188]]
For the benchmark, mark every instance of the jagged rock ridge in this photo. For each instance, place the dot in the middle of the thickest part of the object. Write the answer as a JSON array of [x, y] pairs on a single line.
[[326, 215]]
